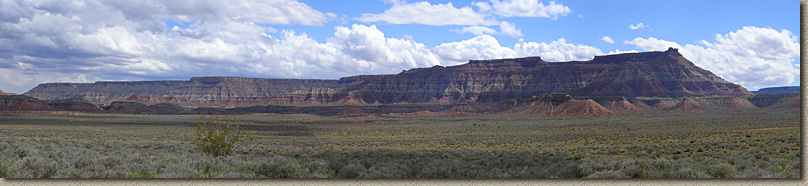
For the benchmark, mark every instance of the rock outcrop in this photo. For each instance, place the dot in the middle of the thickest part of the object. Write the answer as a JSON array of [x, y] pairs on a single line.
[[562, 105], [617, 104], [698, 104], [23, 103]]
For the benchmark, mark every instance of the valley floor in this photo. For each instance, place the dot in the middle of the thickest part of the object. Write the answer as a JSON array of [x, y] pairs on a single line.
[[761, 143]]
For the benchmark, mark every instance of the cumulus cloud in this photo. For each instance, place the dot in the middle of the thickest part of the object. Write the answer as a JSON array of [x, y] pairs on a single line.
[[365, 43], [750, 56], [652, 43], [558, 50], [510, 29], [607, 39], [87, 41], [480, 47], [476, 30], [618, 51], [486, 15], [528, 8], [638, 26], [84, 41], [487, 47], [428, 14]]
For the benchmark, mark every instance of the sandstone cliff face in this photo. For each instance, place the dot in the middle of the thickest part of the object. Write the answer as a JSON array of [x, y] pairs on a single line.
[[223, 88], [648, 74], [655, 74], [103, 91], [197, 90]]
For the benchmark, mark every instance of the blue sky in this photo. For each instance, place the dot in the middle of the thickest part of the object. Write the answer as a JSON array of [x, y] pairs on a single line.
[[752, 43]]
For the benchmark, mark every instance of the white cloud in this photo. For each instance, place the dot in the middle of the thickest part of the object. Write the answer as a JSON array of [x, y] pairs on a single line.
[[652, 44], [618, 51], [86, 41], [558, 50], [266, 12], [20, 81], [528, 8], [607, 39], [428, 14], [487, 47], [365, 43], [392, 1], [476, 30], [482, 6], [638, 26], [510, 29], [480, 47], [446, 14], [750, 56]]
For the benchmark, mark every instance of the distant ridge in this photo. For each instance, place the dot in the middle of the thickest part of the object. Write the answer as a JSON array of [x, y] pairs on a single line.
[[5, 94], [779, 90], [630, 75]]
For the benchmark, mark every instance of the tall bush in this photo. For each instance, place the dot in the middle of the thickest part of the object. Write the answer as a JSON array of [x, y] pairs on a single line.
[[221, 136]]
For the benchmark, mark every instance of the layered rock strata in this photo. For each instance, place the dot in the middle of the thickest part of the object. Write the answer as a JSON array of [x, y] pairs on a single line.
[[648, 74]]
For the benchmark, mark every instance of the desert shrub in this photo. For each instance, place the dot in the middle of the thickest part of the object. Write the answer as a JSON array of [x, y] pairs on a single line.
[[608, 174], [280, 167], [179, 171], [722, 170], [757, 173], [689, 173], [602, 164], [318, 169], [36, 167], [221, 136], [238, 175], [352, 170], [387, 170]]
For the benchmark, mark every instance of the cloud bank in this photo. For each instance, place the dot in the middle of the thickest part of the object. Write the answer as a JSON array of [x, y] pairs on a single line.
[[87, 41], [487, 14]]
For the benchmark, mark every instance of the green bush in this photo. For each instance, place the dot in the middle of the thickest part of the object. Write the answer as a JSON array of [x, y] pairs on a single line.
[[221, 136]]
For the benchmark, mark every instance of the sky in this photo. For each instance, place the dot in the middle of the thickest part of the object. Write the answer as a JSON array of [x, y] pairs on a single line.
[[751, 43]]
